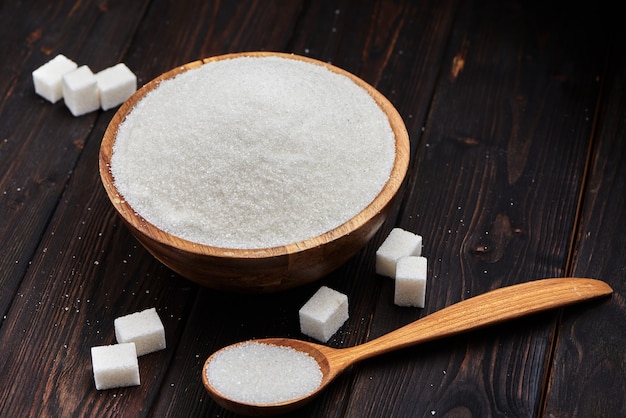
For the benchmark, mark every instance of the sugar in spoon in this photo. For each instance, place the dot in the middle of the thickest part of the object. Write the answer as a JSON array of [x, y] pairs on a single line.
[[486, 309]]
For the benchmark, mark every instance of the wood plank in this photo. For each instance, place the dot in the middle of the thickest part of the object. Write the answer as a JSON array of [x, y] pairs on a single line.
[[499, 100], [40, 146], [87, 272], [40, 149], [506, 139], [589, 365], [192, 31]]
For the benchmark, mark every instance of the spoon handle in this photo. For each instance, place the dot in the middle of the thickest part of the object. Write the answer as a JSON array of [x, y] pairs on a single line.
[[486, 309]]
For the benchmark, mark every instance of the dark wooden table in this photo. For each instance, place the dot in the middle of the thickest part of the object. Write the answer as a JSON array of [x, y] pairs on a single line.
[[517, 116]]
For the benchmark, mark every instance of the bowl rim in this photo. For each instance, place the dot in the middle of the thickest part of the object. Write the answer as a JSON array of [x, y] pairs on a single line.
[[141, 225]]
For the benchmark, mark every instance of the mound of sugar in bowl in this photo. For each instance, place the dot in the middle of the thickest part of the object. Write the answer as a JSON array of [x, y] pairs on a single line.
[[253, 152]]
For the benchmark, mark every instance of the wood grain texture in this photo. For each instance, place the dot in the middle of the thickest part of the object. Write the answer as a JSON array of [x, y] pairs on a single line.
[[515, 112], [588, 376], [484, 228], [37, 163]]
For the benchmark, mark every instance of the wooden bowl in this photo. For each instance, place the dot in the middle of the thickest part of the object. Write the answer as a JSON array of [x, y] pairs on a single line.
[[260, 269]]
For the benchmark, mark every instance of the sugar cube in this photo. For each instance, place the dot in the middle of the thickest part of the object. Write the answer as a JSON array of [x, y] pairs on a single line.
[[80, 91], [410, 282], [48, 79], [115, 85], [143, 328], [115, 366], [399, 243], [323, 314]]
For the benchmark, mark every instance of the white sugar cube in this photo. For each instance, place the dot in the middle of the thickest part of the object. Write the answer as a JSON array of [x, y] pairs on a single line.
[[399, 243], [48, 79], [323, 314], [80, 91], [115, 84], [410, 282], [115, 366], [143, 328]]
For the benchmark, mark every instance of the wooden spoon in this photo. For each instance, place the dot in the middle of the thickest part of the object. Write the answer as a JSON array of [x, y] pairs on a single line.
[[489, 308]]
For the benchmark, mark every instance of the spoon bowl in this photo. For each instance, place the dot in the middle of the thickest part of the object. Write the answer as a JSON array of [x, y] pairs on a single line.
[[490, 308], [326, 357]]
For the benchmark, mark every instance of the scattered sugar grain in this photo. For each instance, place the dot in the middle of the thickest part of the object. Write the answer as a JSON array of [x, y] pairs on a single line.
[[253, 152], [259, 373]]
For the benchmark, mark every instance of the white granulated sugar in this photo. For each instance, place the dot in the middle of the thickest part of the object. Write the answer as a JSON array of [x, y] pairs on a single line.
[[253, 152], [259, 373]]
